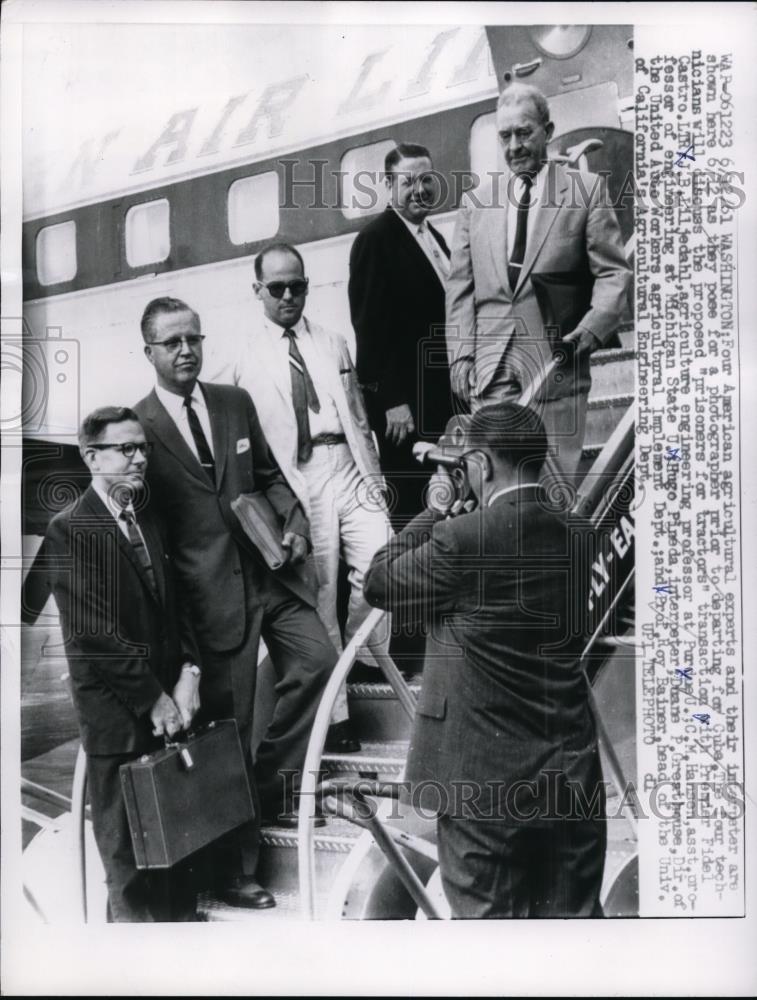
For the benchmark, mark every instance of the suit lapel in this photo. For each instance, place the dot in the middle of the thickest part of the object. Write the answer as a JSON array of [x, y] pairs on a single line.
[[92, 503], [167, 432], [555, 182], [413, 249], [439, 239], [219, 429], [496, 220], [155, 551]]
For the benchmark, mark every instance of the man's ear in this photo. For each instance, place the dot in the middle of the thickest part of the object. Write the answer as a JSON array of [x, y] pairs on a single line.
[[549, 129], [256, 287], [148, 353]]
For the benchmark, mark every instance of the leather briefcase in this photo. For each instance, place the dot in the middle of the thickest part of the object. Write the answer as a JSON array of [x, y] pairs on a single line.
[[187, 795]]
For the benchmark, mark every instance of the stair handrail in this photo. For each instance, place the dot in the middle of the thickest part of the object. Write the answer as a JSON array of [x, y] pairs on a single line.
[[78, 808], [317, 742]]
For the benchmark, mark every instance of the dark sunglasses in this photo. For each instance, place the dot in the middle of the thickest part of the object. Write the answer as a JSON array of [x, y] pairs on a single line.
[[128, 449], [277, 288]]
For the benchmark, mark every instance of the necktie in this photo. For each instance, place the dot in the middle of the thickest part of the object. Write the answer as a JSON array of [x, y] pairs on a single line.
[[521, 230], [201, 442], [304, 397], [139, 547], [440, 258]]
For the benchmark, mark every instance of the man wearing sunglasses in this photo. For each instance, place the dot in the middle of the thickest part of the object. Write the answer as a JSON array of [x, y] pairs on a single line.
[[303, 383], [132, 668], [504, 747], [210, 448]]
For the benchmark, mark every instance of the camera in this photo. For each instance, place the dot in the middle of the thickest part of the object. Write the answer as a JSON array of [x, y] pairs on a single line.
[[42, 376]]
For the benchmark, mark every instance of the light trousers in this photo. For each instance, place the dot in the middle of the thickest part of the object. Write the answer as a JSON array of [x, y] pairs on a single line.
[[347, 522]]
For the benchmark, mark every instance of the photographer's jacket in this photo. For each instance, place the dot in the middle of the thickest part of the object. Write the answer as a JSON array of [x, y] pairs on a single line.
[[503, 699]]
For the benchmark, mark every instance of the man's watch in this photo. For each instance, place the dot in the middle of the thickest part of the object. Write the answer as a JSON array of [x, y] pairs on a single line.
[[193, 669]]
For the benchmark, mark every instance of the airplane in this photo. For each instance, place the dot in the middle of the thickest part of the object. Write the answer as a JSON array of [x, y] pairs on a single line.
[[280, 132]]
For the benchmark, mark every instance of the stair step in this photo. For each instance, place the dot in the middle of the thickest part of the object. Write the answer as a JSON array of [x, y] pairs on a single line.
[[381, 758], [603, 416], [377, 714], [613, 372]]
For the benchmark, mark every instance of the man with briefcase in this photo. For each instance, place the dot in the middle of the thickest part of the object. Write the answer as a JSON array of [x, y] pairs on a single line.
[[132, 668]]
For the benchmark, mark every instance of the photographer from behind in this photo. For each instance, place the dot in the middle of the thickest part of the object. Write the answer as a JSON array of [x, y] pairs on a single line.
[[503, 736]]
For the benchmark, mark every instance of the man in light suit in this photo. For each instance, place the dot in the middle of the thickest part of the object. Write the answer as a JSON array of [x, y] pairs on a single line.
[[503, 746], [323, 444], [209, 447], [542, 224], [398, 266], [133, 668]]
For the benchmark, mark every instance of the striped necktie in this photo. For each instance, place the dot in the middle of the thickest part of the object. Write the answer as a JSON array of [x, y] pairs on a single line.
[[304, 397], [201, 442], [135, 537]]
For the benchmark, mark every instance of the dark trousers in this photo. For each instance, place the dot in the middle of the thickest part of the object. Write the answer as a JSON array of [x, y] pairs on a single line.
[[134, 896], [303, 658], [495, 870]]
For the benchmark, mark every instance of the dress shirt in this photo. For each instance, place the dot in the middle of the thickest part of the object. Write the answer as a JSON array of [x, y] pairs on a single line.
[[429, 245], [327, 421], [116, 509], [537, 192], [509, 489], [177, 411]]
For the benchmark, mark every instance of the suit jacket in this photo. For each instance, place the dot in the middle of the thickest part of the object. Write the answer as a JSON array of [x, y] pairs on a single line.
[[268, 381], [574, 232], [503, 697], [122, 640], [397, 309], [205, 537]]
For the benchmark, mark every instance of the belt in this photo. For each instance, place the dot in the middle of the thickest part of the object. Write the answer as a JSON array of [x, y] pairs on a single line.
[[328, 439]]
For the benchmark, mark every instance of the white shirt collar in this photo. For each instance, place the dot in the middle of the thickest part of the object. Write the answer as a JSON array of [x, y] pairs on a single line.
[[114, 508], [414, 227], [174, 403], [509, 489]]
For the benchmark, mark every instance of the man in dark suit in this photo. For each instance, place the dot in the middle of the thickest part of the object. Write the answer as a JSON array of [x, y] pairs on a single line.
[[503, 747], [398, 267], [133, 676], [209, 448]]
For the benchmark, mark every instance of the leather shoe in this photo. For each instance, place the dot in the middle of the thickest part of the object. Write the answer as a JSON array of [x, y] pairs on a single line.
[[341, 739], [246, 892]]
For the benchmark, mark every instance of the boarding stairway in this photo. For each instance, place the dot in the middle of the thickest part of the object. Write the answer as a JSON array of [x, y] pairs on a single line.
[[348, 874], [384, 730]]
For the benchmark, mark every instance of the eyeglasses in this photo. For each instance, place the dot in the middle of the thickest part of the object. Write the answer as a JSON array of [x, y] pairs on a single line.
[[173, 344], [277, 288], [128, 449]]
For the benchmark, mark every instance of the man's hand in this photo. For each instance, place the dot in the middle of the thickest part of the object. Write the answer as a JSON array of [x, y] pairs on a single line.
[[165, 717], [399, 423], [459, 376], [186, 695], [586, 341], [297, 545]]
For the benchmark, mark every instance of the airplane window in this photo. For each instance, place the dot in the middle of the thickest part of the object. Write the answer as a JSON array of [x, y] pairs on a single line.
[[56, 253], [485, 150], [253, 208], [148, 239], [363, 188]]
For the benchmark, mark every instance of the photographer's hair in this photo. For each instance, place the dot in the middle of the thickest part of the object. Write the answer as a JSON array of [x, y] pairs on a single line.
[[276, 248], [512, 433], [524, 93], [95, 423], [404, 151], [161, 307]]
